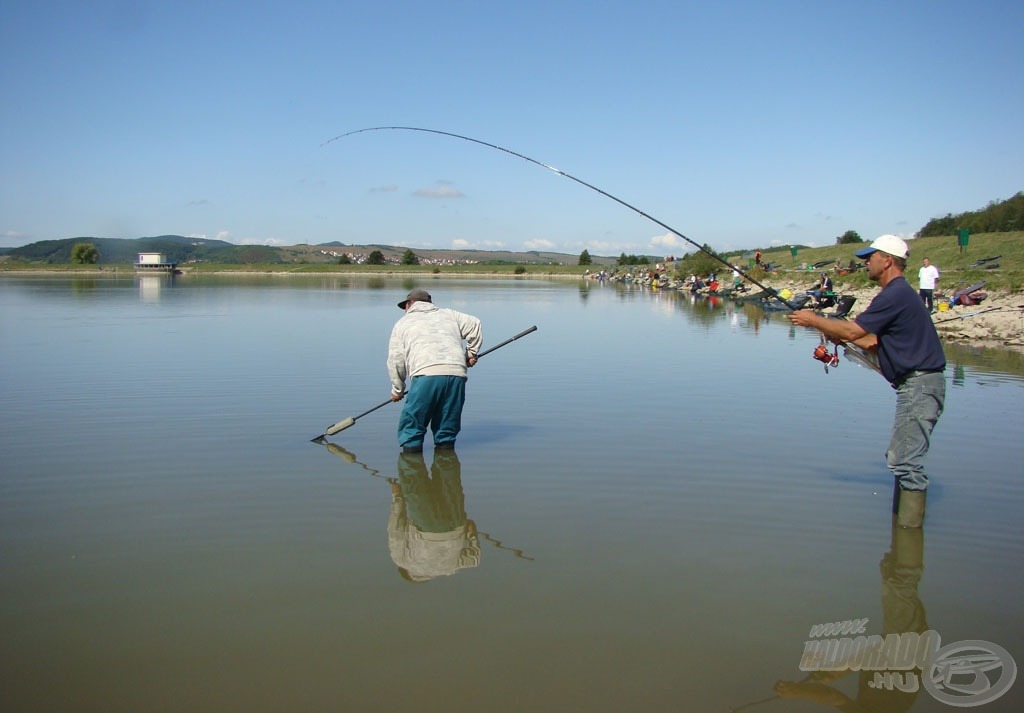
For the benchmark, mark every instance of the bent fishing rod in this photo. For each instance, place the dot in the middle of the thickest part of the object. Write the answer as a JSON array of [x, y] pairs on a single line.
[[860, 356], [974, 314], [351, 420], [592, 187]]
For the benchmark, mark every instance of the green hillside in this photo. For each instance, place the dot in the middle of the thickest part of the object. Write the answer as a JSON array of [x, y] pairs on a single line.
[[177, 248], [956, 263], [184, 251]]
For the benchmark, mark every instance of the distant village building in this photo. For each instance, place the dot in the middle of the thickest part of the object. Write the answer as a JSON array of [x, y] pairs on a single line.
[[154, 262]]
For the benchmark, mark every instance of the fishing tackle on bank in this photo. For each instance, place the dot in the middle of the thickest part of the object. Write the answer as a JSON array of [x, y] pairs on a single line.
[[592, 187], [969, 314]]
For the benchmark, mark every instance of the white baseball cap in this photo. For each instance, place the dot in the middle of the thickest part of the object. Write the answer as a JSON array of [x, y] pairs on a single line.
[[888, 244]]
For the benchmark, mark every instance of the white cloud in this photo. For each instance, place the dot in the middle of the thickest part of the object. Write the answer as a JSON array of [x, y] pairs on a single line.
[[271, 242], [539, 244], [668, 240], [226, 237], [602, 247], [384, 189], [463, 244], [442, 190]]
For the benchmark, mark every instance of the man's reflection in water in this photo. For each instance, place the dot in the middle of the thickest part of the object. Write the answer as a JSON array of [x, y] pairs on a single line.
[[902, 612], [429, 534]]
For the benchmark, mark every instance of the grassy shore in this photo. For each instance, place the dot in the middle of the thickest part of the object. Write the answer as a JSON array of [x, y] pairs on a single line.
[[955, 266]]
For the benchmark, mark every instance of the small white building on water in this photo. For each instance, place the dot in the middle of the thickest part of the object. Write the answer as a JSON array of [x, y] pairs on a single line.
[[154, 262]]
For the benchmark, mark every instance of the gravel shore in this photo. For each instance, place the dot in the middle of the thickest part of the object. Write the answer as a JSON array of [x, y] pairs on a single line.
[[997, 322]]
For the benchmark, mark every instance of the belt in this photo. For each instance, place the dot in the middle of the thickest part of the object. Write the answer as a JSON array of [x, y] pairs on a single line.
[[912, 374]]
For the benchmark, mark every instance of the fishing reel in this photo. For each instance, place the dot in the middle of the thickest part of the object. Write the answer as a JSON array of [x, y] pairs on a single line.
[[822, 354]]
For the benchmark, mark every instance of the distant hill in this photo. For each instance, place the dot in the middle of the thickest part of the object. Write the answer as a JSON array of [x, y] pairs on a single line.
[[177, 248], [183, 250], [394, 253]]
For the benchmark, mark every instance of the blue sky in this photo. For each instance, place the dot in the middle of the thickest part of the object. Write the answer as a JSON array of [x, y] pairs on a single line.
[[738, 124]]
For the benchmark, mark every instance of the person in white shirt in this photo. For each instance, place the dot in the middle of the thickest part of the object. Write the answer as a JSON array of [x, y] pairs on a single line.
[[927, 276]]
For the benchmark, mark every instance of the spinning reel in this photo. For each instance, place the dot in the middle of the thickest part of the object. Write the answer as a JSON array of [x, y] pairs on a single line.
[[822, 354]]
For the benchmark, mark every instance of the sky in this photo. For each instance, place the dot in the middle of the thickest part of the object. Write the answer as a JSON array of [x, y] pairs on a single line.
[[737, 124]]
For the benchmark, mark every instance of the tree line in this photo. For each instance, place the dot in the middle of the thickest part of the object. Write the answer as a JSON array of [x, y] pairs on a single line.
[[997, 217]]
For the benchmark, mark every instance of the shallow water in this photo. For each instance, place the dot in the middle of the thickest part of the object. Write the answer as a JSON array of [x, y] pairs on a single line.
[[667, 496]]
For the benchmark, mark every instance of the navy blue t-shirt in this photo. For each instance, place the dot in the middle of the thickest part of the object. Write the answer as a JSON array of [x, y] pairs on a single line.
[[907, 340]]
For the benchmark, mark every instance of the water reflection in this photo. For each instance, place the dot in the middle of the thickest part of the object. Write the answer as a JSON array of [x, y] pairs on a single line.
[[429, 533], [1002, 365], [151, 285], [987, 364], [889, 686], [83, 285], [239, 514]]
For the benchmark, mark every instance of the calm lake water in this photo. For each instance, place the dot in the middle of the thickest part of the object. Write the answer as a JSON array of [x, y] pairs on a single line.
[[652, 504]]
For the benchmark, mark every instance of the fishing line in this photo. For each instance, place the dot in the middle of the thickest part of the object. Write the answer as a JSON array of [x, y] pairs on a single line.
[[592, 187], [862, 357]]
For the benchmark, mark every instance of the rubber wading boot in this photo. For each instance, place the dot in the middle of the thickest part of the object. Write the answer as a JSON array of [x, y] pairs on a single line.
[[908, 547], [911, 513]]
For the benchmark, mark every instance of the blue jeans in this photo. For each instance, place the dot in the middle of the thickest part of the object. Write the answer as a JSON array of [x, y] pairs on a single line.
[[433, 402], [919, 403]]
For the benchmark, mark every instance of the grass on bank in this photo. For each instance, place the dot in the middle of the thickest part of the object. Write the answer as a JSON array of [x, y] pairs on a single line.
[[943, 251]]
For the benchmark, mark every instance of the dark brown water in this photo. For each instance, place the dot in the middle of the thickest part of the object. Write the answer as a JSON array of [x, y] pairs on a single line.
[[652, 504]]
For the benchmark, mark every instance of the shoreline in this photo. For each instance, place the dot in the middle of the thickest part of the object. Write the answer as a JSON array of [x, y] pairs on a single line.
[[997, 322], [191, 272]]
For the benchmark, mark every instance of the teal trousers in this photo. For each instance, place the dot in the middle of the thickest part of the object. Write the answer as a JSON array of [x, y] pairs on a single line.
[[433, 402]]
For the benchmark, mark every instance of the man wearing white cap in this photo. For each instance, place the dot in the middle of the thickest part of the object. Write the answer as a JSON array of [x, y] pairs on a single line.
[[898, 329]]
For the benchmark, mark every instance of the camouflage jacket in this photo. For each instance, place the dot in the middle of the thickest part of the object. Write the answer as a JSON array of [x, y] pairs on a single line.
[[427, 341]]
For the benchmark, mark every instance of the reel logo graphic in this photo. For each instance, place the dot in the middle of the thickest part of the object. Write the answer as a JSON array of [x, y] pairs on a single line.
[[959, 674]]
